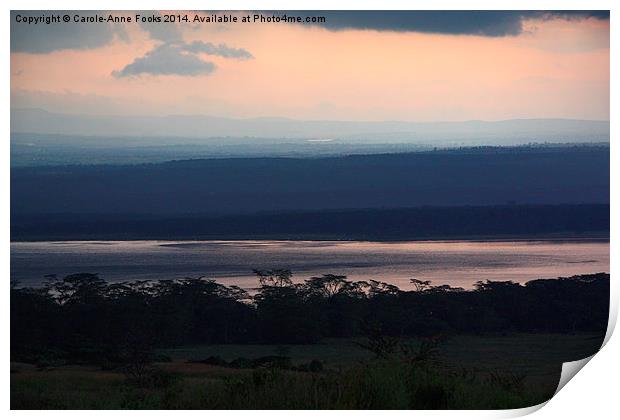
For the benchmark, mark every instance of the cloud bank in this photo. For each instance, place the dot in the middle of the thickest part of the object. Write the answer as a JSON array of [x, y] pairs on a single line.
[[42, 39], [490, 23], [161, 31]]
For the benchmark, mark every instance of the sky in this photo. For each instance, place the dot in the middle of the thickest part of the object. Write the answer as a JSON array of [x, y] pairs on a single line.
[[360, 66]]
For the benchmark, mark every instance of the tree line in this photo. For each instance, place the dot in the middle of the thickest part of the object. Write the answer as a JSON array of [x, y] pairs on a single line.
[[82, 317]]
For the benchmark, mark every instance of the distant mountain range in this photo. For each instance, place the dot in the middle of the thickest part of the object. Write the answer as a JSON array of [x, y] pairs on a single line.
[[508, 132]]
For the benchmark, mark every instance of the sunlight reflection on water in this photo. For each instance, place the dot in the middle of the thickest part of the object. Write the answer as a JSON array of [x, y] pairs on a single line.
[[458, 263]]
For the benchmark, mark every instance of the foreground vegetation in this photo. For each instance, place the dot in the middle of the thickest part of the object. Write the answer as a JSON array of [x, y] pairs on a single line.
[[369, 386], [325, 343], [513, 371]]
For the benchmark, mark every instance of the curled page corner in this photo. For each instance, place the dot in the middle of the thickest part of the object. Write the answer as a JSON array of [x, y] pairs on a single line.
[[522, 412], [613, 318], [569, 370]]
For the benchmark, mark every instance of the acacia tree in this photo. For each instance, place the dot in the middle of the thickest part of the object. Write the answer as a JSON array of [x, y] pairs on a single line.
[[328, 285], [80, 288], [420, 285], [274, 278]]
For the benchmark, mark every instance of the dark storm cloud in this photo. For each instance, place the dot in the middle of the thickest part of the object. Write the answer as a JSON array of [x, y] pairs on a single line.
[[167, 32], [167, 59], [483, 23], [42, 38], [221, 50]]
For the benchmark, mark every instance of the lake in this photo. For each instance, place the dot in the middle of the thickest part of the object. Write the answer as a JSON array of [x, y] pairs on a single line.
[[457, 263]]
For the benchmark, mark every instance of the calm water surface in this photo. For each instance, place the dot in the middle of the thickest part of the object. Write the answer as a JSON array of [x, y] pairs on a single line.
[[458, 263]]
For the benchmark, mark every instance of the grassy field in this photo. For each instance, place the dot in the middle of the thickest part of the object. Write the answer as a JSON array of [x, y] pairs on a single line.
[[467, 372], [538, 356]]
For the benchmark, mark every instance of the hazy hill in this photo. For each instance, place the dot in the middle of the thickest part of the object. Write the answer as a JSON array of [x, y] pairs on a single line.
[[508, 132], [566, 175]]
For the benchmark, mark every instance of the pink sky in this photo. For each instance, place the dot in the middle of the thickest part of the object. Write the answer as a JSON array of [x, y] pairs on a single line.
[[554, 69]]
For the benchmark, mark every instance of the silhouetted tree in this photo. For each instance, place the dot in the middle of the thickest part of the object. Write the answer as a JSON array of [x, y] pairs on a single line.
[[420, 285]]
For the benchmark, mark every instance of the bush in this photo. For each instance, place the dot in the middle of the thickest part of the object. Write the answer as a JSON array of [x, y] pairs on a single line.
[[313, 366], [153, 378]]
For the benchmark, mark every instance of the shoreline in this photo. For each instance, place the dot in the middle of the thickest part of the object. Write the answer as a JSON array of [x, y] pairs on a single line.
[[557, 237]]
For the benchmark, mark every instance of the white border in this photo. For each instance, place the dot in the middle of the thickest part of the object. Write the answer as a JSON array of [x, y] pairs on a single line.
[[592, 394]]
